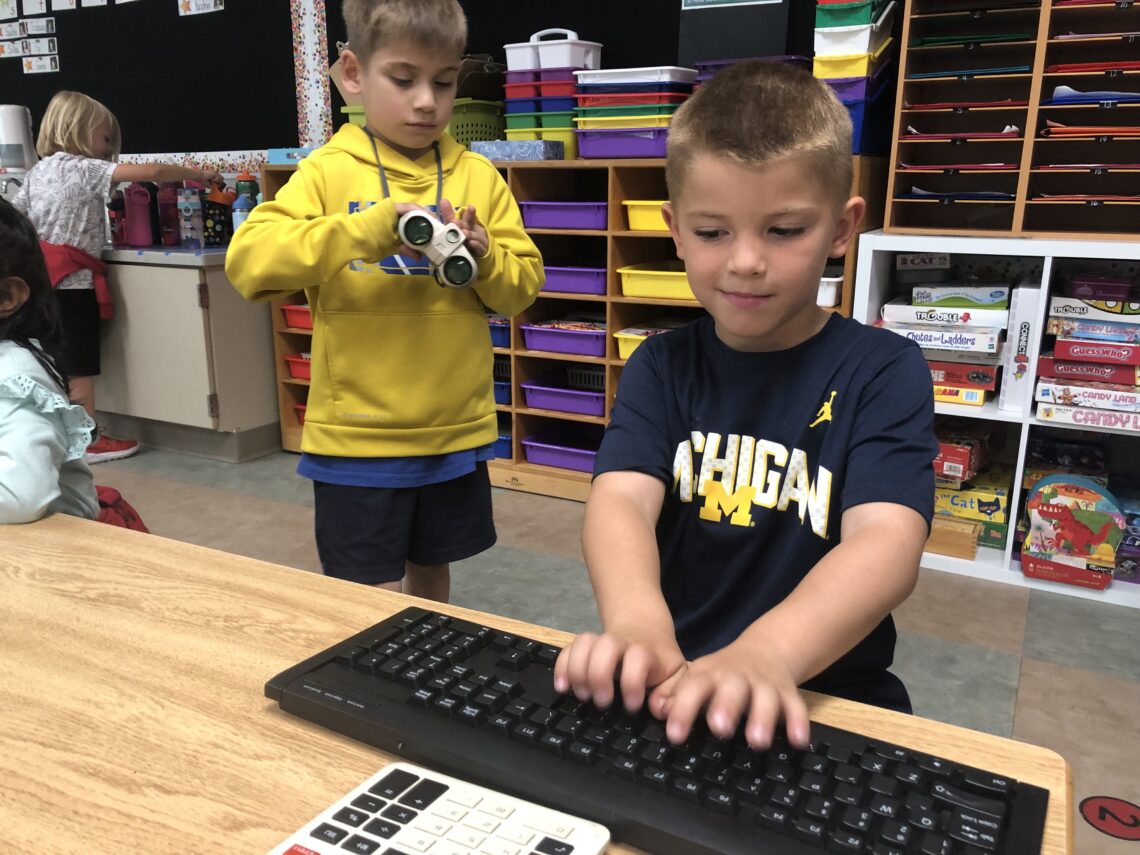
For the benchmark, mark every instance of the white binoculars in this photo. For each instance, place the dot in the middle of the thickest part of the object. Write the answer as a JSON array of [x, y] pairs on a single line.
[[443, 246]]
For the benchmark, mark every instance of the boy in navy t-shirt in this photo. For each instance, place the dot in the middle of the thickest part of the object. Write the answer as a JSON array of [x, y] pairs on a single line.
[[764, 490]]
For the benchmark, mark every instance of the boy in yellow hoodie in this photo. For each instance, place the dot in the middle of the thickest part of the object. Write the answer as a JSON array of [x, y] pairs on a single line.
[[401, 413]]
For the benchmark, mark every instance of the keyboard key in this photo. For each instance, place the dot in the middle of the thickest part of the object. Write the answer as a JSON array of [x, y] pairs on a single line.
[[527, 732], [955, 797], [547, 655], [987, 782], [501, 723], [688, 763], [363, 845], [598, 735], [935, 844], [895, 832], [910, 775], [472, 715], [392, 784], [390, 669], [773, 816], [418, 841], [881, 847], [847, 773], [515, 660], [874, 764], [368, 663], [329, 833], [848, 794], [433, 825], [752, 790], [517, 834], [368, 803], [468, 798], [449, 810], [464, 690], [551, 825], [624, 767], [481, 822], [499, 810], [935, 765], [813, 783], [628, 744], [518, 708], [785, 796], [423, 794], [686, 788], [446, 705], [656, 754], [382, 828], [544, 717], [422, 697], [975, 828], [820, 808], [441, 683], [491, 701], [504, 641], [550, 846], [399, 814], [509, 686], [351, 816], [847, 841], [884, 806], [583, 753], [923, 818], [654, 731], [570, 726], [498, 847], [555, 743], [811, 830], [815, 763], [657, 779], [883, 785], [858, 819]]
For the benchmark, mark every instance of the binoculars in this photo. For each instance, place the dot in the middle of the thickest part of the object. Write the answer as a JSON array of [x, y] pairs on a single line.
[[443, 246]]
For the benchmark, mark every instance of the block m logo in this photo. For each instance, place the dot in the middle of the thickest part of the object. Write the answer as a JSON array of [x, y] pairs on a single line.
[[718, 503]]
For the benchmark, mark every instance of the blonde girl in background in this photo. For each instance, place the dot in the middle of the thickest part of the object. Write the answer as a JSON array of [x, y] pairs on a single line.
[[65, 196]]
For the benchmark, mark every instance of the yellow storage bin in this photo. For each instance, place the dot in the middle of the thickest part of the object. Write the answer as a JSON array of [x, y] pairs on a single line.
[[660, 280], [852, 65], [645, 216], [566, 136], [629, 338], [601, 123]]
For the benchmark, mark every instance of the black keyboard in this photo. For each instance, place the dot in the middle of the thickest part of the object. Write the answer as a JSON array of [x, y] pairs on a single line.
[[480, 704]]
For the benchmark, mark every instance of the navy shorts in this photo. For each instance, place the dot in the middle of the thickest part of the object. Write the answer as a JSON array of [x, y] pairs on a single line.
[[366, 534]]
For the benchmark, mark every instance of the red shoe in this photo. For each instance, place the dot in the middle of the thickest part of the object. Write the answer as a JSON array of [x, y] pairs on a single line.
[[108, 448]]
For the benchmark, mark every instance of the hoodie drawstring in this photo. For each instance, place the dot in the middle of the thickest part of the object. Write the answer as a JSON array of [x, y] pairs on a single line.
[[438, 170]]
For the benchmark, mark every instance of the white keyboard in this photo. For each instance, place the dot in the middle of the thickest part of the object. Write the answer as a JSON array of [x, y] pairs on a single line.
[[405, 809]]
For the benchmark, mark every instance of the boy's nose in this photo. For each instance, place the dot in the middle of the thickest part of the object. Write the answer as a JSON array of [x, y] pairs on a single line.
[[746, 259], [424, 100]]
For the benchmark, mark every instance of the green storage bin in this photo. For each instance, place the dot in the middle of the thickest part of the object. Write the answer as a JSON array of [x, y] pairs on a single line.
[[472, 119], [525, 121], [630, 110], [355, 115], [844, 14]]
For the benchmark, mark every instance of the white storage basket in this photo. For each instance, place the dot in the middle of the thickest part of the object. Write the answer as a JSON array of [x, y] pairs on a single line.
[[566, 52], [652, 74], [864, 38]]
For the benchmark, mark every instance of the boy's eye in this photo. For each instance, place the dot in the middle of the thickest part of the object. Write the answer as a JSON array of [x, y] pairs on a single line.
[[709, 234], [402, 81], [445, 84], [787, 231]]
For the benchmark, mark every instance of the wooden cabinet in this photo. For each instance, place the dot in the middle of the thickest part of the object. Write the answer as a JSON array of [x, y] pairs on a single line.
[[993, 133], [611, 182], [185, 362]]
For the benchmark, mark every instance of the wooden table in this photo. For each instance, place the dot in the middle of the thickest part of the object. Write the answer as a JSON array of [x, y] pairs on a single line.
[[132, 717]]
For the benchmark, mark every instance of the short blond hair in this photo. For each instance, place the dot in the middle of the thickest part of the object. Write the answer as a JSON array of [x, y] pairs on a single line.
[[68, 123], [432, 24], [755, 113]]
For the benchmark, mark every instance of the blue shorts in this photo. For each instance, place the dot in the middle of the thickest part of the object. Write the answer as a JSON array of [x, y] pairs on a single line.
[[367, 534]]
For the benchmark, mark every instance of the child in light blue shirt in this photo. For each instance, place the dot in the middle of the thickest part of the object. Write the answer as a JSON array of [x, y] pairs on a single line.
[[43, 436]]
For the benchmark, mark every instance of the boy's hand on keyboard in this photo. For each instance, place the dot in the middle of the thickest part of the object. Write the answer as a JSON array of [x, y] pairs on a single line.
[[636, 660], [735, 682]]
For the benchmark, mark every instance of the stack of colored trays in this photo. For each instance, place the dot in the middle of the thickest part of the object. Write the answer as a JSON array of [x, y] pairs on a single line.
[[625, 112], [854, 53], [540, 106]]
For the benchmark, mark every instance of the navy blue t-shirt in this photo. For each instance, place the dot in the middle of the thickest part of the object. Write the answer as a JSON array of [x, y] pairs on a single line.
[[760, 454]]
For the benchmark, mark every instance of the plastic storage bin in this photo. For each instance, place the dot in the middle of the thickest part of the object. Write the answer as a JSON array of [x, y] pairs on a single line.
[[565, 136], [628, 142], [299, 409], [860, 88], [854, 65], [871, 120], [500, 326], [299, 316], [540, 89], [707, 68], [502, 446], [539, 75], [844, 14], [502, 392], [629, 338], [651, 74], [584, 336], [524, 121], [554, 393], [564, 215], [621, 99], [519, 149], [564, 447], [635, 88], [539, 105], [645, 216], [565, 52], [354, 114], [861, 38], [611, 122], [830, 288], [575, 280], [662, 280], [300, 366], [472, 119], [628, 110]]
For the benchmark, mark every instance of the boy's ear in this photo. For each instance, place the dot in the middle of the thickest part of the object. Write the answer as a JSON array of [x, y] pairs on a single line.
[[352, 72], [14, 292], [848, 225], [670, 218]]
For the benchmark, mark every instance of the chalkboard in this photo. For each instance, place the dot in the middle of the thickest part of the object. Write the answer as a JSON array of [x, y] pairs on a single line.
[[216, 82]]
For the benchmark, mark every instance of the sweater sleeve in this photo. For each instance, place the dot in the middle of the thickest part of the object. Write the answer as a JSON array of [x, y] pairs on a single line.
[[290, 243], [32, 450], [511, 273]]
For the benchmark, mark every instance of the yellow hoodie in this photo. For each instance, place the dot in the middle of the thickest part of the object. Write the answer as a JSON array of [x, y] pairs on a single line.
[[400, 366]]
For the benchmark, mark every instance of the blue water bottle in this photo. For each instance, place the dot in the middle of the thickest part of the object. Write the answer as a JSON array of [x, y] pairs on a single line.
[[243, 204]]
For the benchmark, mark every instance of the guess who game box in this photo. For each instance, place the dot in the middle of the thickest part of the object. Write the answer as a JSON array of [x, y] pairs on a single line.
[[1075, 527]]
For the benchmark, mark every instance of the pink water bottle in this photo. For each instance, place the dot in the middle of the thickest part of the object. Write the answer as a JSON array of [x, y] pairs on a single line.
[[139, 230], [168, 213]]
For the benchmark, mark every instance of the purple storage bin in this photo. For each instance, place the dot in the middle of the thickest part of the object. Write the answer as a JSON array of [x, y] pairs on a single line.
[[860, 88], [540, 75], [581, 342], [540, 396], [526, 75], [564, 215], [622, 142], [575, 280], [564, 449]]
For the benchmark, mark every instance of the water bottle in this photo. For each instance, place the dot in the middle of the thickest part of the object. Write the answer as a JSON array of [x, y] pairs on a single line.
[[243, 204], [168, 217], [191, 231], [117, 217], [246, 184], [139, 227]]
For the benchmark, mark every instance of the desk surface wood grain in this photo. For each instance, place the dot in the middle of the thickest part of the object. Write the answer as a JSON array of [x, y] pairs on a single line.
[[132, 714]]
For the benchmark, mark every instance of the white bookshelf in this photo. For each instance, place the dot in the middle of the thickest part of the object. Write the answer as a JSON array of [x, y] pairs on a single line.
[[1035, 257]]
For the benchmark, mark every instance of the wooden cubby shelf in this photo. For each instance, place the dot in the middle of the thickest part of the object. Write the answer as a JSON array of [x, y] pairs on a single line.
[[1039, 46], [612, 181]]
